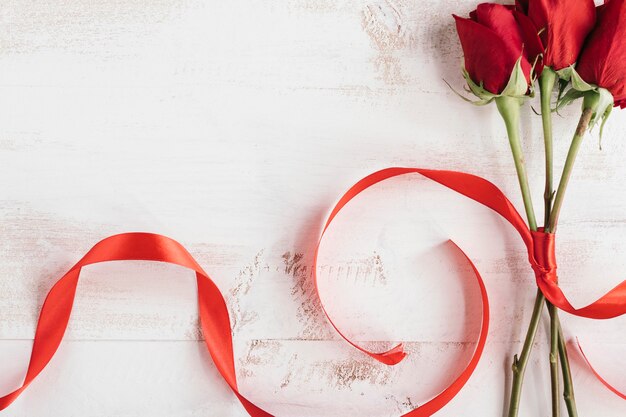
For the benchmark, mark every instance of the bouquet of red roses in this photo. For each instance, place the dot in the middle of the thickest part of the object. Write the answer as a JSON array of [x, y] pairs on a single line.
[[572, 50]]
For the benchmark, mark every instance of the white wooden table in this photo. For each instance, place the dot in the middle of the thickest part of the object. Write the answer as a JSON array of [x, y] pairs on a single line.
[[233, 127]]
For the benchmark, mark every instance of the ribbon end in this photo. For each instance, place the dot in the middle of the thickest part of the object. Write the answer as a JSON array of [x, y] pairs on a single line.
[[391, 357]]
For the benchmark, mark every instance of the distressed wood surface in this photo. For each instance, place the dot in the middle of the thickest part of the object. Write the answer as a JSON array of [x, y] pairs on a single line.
[[233, 127]]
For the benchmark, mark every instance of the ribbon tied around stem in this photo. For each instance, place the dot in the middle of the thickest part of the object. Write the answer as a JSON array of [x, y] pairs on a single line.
[[543, 261]]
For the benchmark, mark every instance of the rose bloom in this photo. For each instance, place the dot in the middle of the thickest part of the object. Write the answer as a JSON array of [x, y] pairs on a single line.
[[563, 26], [493, 39], [603, 59]]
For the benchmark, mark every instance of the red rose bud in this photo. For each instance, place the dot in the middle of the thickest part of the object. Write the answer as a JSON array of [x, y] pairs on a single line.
[[600, 74], [563, 26], [500, 45], [603, 60]]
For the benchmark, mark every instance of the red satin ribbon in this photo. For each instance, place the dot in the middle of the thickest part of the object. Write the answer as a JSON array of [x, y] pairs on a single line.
[[213, 312], [57, 307], [540, 245], [597, 375]]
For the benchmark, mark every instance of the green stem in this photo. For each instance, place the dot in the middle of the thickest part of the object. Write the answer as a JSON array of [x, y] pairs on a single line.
[[554, 360], [583, 124], [546, 86], [568, 387], [519, 364], [556, 333], [509, 108]]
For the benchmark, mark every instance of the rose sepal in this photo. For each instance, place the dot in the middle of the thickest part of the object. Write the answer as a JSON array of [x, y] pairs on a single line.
[[517, 87], [596, 98]]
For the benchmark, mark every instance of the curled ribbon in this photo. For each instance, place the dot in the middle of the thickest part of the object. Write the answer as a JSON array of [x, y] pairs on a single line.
[[57, 307], [597, 375], [213, 312]]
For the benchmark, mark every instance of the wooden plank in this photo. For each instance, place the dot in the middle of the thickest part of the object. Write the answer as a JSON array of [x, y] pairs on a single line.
[[233, 127]]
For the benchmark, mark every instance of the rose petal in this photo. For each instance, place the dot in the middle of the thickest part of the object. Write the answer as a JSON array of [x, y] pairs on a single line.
[[603, 60], [487, 58], [501, 20], [533, 47], [564, 25]]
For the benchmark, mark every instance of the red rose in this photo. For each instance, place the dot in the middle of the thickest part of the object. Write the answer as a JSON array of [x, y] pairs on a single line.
[[493, 39], [603, 59], [563, 26]]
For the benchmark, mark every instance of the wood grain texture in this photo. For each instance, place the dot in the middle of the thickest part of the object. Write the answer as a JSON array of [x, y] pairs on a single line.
[[233, 127]]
